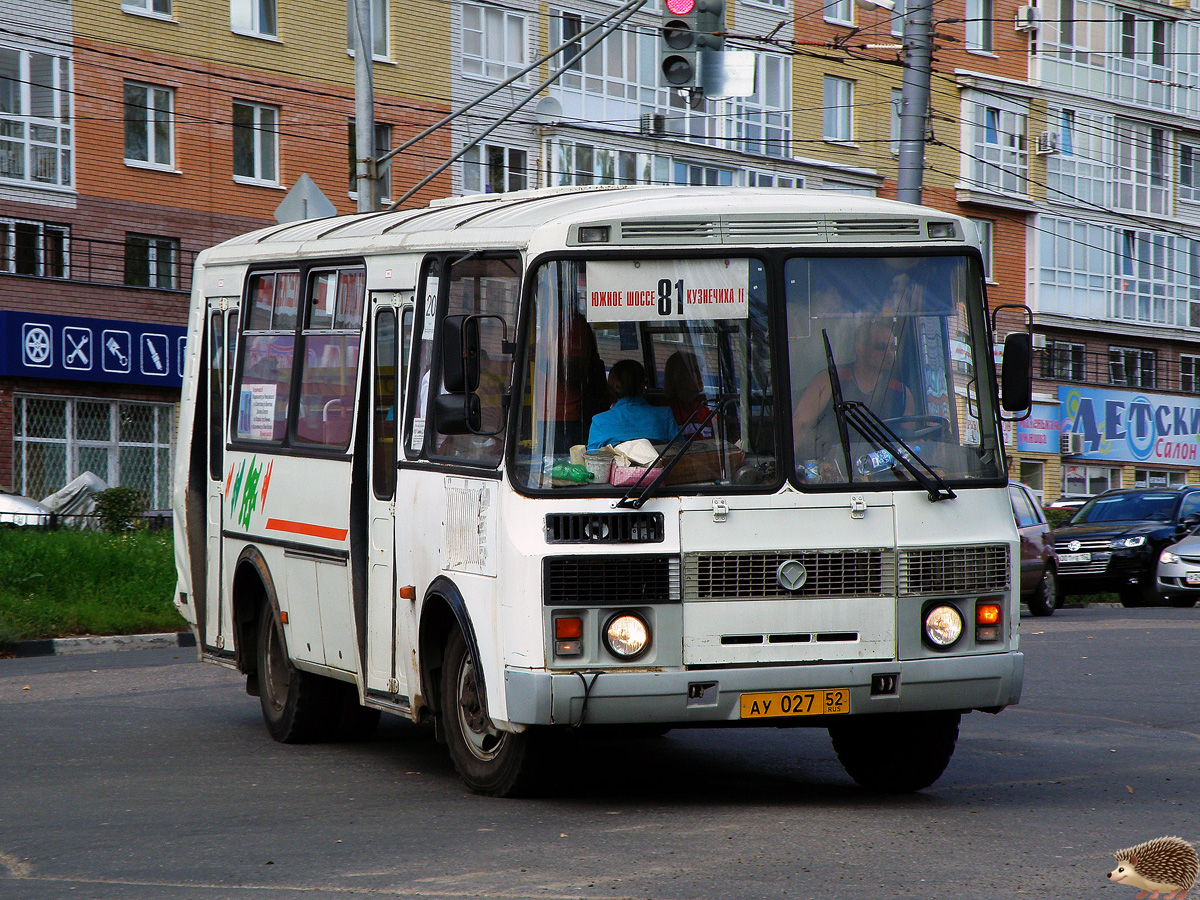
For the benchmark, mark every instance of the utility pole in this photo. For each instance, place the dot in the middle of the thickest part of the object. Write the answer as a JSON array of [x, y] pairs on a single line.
[[914, 106], [363, 44]]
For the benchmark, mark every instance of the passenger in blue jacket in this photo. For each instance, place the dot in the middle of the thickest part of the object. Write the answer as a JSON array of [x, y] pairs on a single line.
[[631, 417]]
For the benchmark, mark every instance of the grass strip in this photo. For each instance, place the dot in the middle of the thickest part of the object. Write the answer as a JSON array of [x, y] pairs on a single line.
[[66, 583]]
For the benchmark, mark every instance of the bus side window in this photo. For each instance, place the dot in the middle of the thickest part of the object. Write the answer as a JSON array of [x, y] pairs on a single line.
[[216, 395], [415, 434], [488, 287], [265, 361], [383, 469], [329, 363]]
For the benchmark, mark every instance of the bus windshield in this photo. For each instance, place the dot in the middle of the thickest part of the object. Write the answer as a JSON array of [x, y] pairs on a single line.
[[628, 357], [903, 336]]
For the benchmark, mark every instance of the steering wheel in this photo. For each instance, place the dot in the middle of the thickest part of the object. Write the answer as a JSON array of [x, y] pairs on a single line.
[[911, 428]]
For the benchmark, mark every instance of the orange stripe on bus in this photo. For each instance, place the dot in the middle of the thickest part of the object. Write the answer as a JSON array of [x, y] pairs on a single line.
[[321, 531]]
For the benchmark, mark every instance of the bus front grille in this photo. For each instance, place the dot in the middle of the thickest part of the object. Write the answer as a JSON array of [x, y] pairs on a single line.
[[953, 570], [605, 528], [610, 580], [740, 575]]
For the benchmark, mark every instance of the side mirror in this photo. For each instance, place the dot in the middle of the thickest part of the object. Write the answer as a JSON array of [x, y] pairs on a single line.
[[458, 414], [460, 355], [1016, 380]]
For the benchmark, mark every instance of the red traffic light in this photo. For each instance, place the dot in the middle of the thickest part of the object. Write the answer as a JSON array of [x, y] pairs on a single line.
[[680, 7]]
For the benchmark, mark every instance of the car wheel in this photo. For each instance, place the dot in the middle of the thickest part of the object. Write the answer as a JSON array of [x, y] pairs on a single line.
[[1045, 599], [1135, 596], [490, 761], [1184, 602]]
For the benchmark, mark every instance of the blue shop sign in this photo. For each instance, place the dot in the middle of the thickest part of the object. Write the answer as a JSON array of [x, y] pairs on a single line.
[[1039, 433], [1129, 426], [33, 345]]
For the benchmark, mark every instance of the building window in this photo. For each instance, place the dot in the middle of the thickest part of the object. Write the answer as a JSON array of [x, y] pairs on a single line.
[[1140, 179], [838, 101], [383, 143], [1189, 373], [1159, 478], [1088, 481], [149, 125], [979, 25], [898, 13], [698, 174], [894, 110], [840, 12], [1189, 178], [253, 17], [999, 160], [1063, 361], [34, 248], [985, 228], [1131, 367], [771, 179], [152, 261], [256, 143], [491, 169], [56, 439], [380, 23], [572, 25], [157, 7], [493, 42], [35, 118]]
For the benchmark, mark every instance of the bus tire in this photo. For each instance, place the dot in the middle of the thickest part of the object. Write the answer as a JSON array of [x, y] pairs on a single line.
[[297, 707], [492, 762], [896, 752]]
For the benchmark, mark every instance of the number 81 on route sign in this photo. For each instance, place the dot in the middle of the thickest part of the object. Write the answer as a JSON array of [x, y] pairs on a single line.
[[667, 290]]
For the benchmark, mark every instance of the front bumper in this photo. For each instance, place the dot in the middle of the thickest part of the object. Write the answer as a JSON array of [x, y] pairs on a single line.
[[710, 697]]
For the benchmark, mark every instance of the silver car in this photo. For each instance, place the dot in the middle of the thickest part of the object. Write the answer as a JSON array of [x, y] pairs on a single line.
[[1178, 580], [16, 511]]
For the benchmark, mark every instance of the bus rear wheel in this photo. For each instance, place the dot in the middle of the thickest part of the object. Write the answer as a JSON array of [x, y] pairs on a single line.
[[896, 752], [490, 761], [297, 707]]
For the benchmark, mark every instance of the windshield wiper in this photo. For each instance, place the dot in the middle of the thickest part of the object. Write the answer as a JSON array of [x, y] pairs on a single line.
[[867, 423], [629, 501]]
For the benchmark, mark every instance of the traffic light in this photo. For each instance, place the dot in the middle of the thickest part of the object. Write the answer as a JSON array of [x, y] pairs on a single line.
[[689, 27]]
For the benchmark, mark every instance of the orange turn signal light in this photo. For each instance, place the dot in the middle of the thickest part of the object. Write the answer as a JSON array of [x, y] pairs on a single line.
[[987, 614], [568, 628], [408, 592]]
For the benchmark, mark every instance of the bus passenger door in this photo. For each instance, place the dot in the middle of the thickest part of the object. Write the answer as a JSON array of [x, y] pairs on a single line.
[[221, 326], [386, 631]]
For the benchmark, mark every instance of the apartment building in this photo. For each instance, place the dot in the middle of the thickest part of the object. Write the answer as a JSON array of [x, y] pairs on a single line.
[[134, 133]]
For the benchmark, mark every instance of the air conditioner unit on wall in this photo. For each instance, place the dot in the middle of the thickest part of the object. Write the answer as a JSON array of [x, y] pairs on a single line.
[[1026, 18], [1047, 142], [1070, 444], [653, 123]]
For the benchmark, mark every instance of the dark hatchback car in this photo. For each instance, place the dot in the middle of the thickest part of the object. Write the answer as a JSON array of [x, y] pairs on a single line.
[[1039, 576], [1112, 544]]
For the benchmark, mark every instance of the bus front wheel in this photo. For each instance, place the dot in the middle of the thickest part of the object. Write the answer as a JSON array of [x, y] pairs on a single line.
[[297, 707], [896, 752], [490, 761]]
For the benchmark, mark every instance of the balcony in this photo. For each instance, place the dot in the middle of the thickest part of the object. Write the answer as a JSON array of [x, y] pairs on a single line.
[[49, 252]]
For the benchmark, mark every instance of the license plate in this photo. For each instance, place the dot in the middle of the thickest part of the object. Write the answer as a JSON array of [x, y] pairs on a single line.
[[774, 704], [1192, 578], [1074, 557]]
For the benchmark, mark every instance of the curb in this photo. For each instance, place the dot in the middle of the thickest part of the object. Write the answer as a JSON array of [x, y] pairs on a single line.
[[63, 646]]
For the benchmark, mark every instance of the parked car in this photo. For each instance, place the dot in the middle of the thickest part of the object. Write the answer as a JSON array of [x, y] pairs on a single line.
[[17, 511], [1114, 541], [1039, 567], [1179, 572]]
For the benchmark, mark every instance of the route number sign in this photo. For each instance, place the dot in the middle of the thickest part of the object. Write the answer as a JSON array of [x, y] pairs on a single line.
[[672, 290]]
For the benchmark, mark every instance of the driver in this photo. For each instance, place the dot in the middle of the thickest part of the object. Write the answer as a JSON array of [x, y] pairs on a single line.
[[868, 380]]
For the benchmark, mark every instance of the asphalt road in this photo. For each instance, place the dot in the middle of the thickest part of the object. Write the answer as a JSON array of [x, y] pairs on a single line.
[[143, 775]]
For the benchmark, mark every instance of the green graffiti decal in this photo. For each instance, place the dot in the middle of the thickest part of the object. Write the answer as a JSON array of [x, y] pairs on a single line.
[[250, 493]]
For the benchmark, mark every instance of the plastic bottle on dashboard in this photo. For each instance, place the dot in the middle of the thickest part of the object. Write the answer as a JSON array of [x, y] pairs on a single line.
[[877, 461]]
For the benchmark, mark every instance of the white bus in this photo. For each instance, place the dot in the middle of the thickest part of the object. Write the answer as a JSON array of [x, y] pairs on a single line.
[[794, 511]]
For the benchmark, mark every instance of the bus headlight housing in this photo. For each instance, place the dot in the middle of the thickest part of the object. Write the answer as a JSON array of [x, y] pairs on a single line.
[[627, 635], [943, 626]]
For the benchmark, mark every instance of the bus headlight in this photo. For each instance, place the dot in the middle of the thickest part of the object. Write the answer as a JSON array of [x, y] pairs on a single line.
[[943, 625], [627, 635]]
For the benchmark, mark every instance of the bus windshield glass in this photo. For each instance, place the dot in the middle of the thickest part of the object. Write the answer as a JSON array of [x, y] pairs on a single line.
[[625, 352], [904, 338], [639, 355]]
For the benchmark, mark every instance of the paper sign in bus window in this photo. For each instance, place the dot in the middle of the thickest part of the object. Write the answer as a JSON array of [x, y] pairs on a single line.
[[668, 290], [256, 412]]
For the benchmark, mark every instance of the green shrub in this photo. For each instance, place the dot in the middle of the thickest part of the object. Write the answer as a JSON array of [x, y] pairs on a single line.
[[1058, 517], [119, 509]]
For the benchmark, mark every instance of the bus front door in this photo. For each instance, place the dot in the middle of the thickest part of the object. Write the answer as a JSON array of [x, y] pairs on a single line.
[[221, 325], [387, 622]]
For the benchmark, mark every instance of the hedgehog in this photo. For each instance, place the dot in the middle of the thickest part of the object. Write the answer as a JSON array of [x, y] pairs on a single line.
[[1164, 865]]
